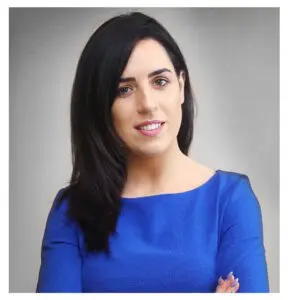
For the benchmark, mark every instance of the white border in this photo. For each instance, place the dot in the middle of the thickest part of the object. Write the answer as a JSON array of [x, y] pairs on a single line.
[[148, 3]]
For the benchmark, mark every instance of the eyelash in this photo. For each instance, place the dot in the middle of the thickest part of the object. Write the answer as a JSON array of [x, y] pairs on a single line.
[[164, 79], [127, 87]]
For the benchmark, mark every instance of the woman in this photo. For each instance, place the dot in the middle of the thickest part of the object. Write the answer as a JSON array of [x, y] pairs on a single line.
[[139, 215]]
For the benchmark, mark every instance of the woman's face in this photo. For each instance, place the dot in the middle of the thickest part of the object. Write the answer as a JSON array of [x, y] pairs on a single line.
[[149, 90]]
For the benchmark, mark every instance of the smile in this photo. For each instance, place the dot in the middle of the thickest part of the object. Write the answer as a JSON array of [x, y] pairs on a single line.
[[151, 129]]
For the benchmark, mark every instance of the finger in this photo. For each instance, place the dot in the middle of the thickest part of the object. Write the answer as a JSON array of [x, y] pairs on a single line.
[[221, 289], [234, 287], [231, 290], [230, 277], [225, 286], [222, 285], [220, 280]]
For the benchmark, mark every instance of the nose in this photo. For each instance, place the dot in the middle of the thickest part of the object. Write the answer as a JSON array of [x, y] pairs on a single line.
[[146, 102]]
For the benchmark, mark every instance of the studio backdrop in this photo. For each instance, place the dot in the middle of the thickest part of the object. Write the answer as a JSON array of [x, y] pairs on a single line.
[[233, 60]]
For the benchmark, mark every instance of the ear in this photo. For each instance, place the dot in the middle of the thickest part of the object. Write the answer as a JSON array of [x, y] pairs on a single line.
[[182, 86]]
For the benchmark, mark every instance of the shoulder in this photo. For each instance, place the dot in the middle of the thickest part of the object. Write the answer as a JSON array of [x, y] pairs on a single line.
[[226, 180], [237, 197], [59, 211], [233, 183], [231, 179], [239, 206], [58, 222], [60, 202]]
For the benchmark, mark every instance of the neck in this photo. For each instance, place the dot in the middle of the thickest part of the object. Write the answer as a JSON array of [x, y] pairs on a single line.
[[149, 174]]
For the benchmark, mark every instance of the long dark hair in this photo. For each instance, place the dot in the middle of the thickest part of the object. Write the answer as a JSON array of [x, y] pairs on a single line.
[[98, 154]]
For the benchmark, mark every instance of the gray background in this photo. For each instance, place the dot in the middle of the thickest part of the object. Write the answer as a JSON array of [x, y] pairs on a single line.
[[233, 59]]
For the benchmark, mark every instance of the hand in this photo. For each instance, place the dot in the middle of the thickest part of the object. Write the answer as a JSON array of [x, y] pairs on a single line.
[[229, 285]]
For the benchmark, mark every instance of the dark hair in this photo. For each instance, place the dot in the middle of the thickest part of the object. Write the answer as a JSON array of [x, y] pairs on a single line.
[[98, 154]]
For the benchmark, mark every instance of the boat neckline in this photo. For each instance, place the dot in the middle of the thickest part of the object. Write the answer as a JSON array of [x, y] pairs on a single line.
[[164, 195]]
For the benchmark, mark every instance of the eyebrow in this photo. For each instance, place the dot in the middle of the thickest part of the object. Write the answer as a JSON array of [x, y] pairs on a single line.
[[157, 72]]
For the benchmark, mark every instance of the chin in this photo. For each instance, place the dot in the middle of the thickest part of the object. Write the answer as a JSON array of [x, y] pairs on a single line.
[[151, 150]]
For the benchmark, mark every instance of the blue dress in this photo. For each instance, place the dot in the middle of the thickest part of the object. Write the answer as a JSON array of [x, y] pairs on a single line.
[[166, 243]]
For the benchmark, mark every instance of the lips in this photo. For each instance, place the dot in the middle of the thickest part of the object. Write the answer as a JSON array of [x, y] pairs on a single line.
[[151, 132], [148, 123]]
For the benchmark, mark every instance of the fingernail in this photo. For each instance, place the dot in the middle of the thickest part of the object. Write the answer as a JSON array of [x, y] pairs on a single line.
[[235, 282], [220, 280], [230, 275]]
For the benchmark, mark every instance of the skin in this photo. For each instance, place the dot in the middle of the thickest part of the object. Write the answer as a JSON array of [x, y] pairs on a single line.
[[229, 285], [155, 165], [148, 99]]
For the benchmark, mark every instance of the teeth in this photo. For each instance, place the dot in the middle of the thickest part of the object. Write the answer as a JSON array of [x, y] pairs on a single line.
[[151, 126]]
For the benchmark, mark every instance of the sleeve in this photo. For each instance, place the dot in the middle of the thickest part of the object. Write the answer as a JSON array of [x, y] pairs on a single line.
[[241, 248], [60, 269]]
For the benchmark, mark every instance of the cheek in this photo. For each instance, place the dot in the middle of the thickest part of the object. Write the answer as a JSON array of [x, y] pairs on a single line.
[[173, 95], [173, 105], [173, 111], [121, 115]]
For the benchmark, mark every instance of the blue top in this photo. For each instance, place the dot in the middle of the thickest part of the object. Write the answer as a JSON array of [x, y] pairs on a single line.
[[167, 243]]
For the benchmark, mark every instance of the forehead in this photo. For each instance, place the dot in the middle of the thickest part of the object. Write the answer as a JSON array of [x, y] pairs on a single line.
[[147, 56]]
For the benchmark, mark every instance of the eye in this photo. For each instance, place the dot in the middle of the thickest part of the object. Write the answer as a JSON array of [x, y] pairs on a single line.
[[161, 82], [123, 91]]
